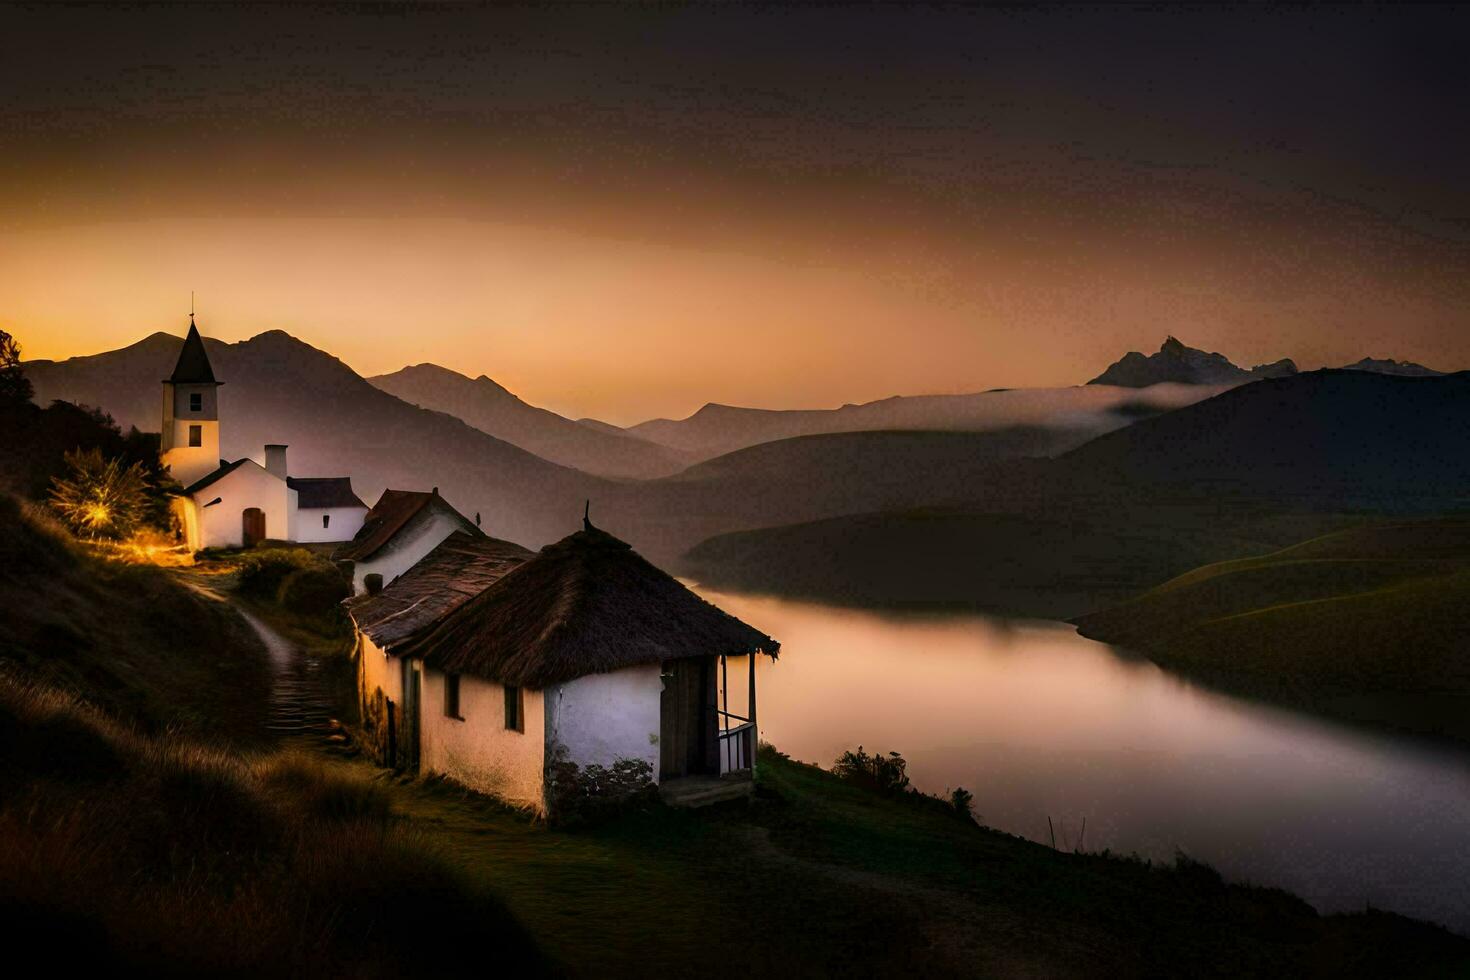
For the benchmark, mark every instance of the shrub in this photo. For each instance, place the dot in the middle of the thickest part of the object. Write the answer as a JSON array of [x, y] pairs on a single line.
[[313, 591], [100, 498], [261, 572], [883, 774]]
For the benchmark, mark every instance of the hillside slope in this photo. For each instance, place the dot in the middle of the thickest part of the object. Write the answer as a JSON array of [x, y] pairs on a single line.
[[127, 638], [278, 389], [1370, 623], [491, 408]]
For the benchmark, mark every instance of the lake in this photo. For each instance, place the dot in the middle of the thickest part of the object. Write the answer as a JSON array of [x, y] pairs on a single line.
[[1039, 722]]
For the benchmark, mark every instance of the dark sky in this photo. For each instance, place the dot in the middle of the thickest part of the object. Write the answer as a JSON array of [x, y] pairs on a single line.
[[742, 203]]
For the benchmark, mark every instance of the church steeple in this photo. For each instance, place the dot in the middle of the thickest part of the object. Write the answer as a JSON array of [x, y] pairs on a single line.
[[193, 366], [190, 433]]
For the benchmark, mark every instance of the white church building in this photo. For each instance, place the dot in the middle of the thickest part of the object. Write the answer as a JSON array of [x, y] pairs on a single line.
[[239, 504]]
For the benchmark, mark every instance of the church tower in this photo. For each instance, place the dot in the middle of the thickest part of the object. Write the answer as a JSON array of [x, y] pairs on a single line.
[[190, 440]]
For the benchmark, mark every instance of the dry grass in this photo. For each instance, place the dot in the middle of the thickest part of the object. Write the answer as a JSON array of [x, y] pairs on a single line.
[[156, 853]]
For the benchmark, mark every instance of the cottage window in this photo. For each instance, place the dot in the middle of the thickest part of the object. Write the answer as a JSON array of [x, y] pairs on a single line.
[[326, 519], [514, 709], [451, 696], [196, 436], [196, 402]]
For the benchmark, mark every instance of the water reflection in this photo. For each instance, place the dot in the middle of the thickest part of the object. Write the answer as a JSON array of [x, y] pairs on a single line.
[[1039, 722]]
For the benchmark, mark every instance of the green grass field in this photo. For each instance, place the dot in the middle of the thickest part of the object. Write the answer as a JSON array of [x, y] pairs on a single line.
[[819, 877], [1371, 623]]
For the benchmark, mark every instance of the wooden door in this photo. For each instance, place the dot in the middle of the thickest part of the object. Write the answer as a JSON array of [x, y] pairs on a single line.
[[252, 520], [408, 736], [688, 741]]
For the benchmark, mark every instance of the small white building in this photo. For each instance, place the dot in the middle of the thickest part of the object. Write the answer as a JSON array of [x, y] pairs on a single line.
[[402, 527], [239, 504], [580, 673], [327, 510]]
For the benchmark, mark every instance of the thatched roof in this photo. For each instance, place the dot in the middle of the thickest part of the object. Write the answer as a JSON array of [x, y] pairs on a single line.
[[315, 492], [585, 605], [394, 509], [460, 568], [192, 366]]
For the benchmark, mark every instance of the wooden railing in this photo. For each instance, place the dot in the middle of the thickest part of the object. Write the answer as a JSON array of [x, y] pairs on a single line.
[[737, 743]]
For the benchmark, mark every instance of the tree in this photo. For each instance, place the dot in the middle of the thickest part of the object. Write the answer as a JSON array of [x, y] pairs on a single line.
[[100, 498], [885, 774], [15, 387]]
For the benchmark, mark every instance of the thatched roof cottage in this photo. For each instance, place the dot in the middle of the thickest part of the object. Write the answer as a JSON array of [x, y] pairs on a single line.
[[577, 672]]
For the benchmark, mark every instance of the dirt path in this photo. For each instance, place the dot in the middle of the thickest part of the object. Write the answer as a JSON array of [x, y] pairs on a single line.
[[300, 705]]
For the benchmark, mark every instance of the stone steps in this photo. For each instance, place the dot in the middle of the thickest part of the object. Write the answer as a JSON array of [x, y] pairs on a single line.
[[697, 791]]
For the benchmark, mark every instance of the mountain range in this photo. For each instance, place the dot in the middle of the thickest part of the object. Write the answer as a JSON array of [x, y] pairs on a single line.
[[489, 407], [1178, 363], [1096, 463]]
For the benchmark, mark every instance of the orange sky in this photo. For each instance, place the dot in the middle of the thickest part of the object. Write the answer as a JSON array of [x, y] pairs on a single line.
[[635, 233]]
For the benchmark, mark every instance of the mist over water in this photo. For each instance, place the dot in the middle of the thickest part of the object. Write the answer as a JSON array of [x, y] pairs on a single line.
[[1039, 722]]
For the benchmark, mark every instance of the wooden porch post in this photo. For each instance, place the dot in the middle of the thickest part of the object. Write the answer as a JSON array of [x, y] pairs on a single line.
[[755, 732]]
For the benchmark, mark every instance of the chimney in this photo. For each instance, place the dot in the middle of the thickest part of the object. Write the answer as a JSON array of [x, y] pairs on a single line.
[[373, 582], [275, 460]]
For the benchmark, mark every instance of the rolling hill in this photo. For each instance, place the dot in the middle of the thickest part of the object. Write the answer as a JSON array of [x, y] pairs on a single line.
[[821, 476], [1369, 623], [1342, 437], [278, 389], [718, 429], [492, 409], [1254, 469]]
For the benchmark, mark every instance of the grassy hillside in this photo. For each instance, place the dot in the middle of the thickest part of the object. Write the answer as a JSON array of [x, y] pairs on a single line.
[[146, 825], [1370, 623], [127, 637], [154, 856], [818, 877]]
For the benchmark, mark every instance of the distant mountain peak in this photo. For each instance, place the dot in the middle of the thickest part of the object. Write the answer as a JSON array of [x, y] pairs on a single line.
[[1387, 365], [1179, 363]]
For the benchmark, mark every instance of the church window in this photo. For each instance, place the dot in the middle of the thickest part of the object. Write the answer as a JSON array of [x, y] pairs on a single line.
[[326, 519], [196, 436], [196, 402]]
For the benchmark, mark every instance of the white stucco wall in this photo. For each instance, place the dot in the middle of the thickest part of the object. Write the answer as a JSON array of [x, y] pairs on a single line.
[[411, 543], [249, 485], [345, 522], [602, 718], [479, 751]]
